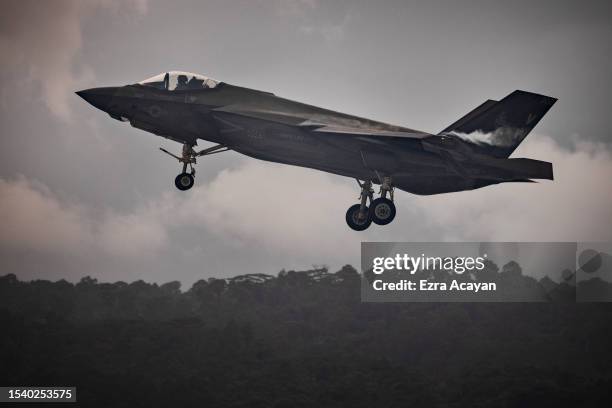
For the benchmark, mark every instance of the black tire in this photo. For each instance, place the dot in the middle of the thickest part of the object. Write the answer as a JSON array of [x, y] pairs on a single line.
[[351, 218], [382, 211], [184, 181]]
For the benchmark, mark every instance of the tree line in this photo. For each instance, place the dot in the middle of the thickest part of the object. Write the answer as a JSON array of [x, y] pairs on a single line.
[[298, 339]]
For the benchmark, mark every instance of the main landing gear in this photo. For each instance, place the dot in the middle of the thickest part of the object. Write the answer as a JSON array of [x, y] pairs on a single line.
[[185, 181], [381, 210]]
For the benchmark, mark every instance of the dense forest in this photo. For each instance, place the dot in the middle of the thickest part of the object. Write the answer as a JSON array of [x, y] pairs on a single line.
[[298, 339]]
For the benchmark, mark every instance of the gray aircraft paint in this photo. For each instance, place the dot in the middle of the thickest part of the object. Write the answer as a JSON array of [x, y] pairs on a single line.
[[470, 154]]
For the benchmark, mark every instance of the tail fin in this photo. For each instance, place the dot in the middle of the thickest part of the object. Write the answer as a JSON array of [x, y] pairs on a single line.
[[471, 115], [497, 128]]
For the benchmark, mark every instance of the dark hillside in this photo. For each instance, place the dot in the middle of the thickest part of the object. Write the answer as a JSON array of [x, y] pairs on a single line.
[[299, 339]]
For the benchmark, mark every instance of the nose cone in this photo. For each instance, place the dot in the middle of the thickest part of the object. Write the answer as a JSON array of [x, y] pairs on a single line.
[[99, 97]]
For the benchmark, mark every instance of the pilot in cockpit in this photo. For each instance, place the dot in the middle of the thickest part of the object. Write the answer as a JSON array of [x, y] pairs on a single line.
[[195, 83], [178, 80], [181, 82]]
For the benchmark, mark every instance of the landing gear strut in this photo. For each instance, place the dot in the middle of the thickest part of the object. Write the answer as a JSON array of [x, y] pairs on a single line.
[[381, 211], [185, 181]]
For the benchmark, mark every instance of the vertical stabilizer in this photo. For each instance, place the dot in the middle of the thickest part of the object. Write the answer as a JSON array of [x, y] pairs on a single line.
[[497, 128]]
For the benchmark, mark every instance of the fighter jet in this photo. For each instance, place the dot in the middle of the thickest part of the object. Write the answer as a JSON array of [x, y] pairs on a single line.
[[471, 153]]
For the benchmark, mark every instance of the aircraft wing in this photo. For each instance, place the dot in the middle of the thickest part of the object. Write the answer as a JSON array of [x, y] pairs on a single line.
[[285, 118], [325, 123], [365, 131]]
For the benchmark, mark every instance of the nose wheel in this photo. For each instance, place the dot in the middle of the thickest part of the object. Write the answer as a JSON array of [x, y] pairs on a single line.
[[186, 180], [381, 210]]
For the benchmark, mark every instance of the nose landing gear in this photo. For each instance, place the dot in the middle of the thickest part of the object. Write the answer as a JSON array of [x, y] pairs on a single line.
[[185, 181], [381, 211]]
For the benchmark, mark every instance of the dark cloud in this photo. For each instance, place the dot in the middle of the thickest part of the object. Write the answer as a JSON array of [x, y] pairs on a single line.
[[40, 41]]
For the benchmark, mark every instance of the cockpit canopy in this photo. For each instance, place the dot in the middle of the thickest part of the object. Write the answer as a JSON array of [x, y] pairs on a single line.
[[179, 80]]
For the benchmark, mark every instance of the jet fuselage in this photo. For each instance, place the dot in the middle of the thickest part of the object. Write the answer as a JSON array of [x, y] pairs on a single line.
[[264, 126]]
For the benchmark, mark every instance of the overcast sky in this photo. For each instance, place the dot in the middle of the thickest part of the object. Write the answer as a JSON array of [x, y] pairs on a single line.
[[82, 194]]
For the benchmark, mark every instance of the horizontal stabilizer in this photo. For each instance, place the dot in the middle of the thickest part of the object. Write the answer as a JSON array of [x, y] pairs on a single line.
[[531, 168], [515, 169]]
